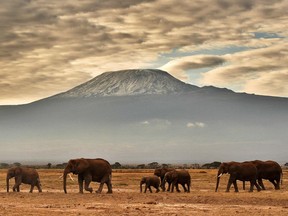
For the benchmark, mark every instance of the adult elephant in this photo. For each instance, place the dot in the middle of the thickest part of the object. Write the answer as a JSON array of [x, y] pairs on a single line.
[[245, 171], [160, 172], [23, 175], [176, 177], [149, 181], [269, 170], [96, 170]]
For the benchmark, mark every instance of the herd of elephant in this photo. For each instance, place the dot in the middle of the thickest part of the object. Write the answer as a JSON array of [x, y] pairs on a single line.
[[99, 170]]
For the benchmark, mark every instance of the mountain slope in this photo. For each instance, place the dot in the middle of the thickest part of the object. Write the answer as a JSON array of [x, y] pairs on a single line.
[[130, 82], [181, 123]]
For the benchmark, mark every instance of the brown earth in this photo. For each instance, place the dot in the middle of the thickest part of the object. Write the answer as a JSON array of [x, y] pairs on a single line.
[[127, 200]]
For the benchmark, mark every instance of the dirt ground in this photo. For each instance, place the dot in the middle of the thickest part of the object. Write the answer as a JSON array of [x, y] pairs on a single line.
[[127, 199]]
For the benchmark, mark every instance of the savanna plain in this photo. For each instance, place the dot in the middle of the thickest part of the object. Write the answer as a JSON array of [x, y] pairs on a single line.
[[127, 199]]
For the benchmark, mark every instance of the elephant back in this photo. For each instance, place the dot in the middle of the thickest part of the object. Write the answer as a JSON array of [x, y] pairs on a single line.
[[183, 176], [99, 168]]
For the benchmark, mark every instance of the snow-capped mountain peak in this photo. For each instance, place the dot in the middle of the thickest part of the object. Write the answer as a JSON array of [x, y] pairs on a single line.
[[130, 82]]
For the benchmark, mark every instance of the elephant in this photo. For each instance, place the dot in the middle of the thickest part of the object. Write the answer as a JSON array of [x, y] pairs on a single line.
[[245, 171], [96, 170], [269, 170], [160, 172], [176, 177], [168, 179], [23, 175], [150, 181]]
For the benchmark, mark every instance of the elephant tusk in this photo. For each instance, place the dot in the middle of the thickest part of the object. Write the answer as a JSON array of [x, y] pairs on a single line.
[[220, 175], [69, 177]]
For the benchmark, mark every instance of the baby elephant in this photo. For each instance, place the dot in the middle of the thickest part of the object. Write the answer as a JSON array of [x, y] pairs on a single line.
[[23, 175], [150, 181]]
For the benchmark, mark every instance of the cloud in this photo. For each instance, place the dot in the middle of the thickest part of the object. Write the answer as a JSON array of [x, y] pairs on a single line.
[[51, 41], [195, 125], [260, 71], [273, 83], [179, 66], [157, 123]]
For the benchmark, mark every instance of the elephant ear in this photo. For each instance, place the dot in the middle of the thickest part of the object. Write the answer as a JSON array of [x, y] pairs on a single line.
[[72, 163], [17, 171], [81, 165]]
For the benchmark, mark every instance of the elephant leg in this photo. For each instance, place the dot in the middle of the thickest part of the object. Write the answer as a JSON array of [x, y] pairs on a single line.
[[157, 189], [145, 188], [169, 186], [184, 188], [31, 188], [277, 180], [252, 182], [274, 184], [38, 185], [177, 187], [172, 187], [235, 186], [80, 183], [188, 187], [260, 182], [149, 187], [257, 186], [87, 180], [230, 181], [109, 186], [18, 181], [100, 187], [163, 187]]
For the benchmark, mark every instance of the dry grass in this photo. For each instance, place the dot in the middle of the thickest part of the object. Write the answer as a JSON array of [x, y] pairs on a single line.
[[126, 199]]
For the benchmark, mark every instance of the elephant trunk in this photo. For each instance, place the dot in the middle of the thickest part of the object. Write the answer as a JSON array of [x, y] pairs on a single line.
[[7, 183], [141, 187], [163, 184], [66, 171], [218, 180]]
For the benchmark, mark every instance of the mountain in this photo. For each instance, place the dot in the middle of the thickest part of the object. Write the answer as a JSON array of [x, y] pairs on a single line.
[[130, 82], [145, 116]]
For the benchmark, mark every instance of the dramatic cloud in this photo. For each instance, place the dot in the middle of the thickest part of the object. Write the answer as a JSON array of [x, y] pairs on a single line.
[[179, 66], [50, 46], [261, 71]]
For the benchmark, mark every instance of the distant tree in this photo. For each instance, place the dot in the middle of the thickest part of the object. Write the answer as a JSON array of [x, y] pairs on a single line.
[[4, 165], [153, 165], [17, 164], [141, 166], [49, 165], [165, 165], [213, 165], [286, 164], [61, 166], [116, 165], [195, 166]]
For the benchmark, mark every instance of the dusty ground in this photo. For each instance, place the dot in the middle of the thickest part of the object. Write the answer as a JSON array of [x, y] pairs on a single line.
[[127, 200]]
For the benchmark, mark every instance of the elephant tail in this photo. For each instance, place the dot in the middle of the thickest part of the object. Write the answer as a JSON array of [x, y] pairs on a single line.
[[281, 177]]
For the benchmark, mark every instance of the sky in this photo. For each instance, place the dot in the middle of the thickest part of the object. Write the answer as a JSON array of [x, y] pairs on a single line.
[[47, 47]]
